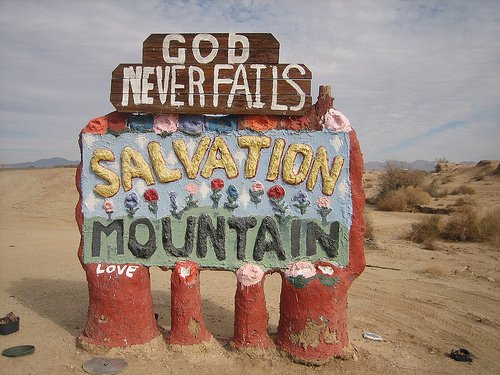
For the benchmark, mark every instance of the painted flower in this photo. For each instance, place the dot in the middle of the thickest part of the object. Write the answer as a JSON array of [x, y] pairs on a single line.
[[257, 186], [108, 206], [192, 188], [187, 270], [165, 124], [174, 208], [192, 124], [323, 202], [232, 192], [172, 196], [323, 209], [256, 192], [249, 274], [301, 201], [140, 123], [151, 196], [304, 269], [217, 184], [276, 192], [336, 121], [131, 203], [98, 125], [232, 196]]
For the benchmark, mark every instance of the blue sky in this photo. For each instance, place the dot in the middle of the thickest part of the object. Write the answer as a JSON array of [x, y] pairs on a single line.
[[417, 79]]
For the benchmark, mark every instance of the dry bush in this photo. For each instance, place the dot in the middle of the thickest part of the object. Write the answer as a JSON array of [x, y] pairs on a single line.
[[396, 177], [463, 189], [462, 226], [403, 199], [393, 201], [436, 192], [370, 230], [426, 231], [490, 227], [462, 201]]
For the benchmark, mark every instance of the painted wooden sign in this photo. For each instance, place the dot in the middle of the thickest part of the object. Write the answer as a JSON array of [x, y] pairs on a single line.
[[212, 74], [196, 188]]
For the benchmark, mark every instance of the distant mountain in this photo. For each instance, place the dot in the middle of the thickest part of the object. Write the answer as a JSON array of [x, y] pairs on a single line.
[[417, 165], [43, 163], [420, 165]]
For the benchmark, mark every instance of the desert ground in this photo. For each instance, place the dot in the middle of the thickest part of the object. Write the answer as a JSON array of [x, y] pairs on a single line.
[[423, 302]]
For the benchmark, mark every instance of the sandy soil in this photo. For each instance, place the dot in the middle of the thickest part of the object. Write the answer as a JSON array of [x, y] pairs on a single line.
[[429, 304]]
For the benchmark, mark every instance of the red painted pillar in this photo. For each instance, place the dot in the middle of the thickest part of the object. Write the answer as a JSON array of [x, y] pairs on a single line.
[[250, 313], [120, 303], [188, 327], [121, 306], [313, 304]]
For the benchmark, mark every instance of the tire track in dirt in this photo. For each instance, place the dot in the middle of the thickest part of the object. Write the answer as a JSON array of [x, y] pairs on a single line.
[[405, 311]]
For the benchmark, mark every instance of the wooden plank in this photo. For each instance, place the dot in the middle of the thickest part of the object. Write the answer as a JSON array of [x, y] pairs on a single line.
[[265, 86], [258, 43], [256, 56], [265, 73], [239, 105]]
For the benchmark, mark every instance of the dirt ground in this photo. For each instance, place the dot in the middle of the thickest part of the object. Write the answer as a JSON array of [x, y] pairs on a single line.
[[428, 303]]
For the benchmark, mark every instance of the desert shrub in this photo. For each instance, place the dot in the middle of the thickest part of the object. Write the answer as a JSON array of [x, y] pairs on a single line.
[[462, 201], [436, 192], [479, 177], [490, 227], [370, 231], [426, 231], [396, 177], [463, 189], [393, 201], [462, 226], [403, 199]]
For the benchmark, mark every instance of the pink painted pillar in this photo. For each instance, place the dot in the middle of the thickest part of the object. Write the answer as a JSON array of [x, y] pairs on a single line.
[[250, 313], [188, 327]]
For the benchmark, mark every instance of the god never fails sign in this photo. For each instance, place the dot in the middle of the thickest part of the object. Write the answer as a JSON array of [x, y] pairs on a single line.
[[212, 74], [218, 199]]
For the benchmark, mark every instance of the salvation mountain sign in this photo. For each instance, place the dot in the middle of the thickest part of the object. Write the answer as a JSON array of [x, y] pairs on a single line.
[[220, 199], [212, 74]]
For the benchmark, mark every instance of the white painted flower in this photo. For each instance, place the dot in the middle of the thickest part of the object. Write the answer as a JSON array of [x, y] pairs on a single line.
[[326, 270], [185, 272], [305, 269], [336, 142]]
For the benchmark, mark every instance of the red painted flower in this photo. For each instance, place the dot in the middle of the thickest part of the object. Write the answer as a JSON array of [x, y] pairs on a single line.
[[96, 126], [276, 192], [151, 195], [217, 184]]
